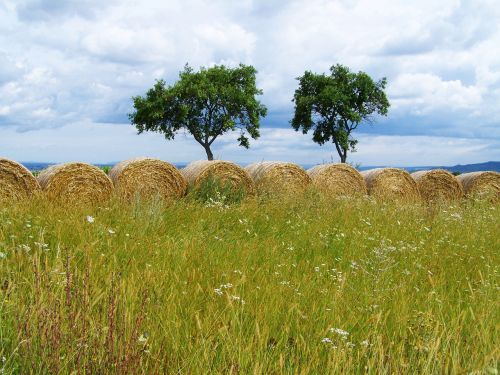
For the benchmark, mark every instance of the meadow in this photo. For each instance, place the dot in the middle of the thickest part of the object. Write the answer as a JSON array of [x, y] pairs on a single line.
[[305, 285]]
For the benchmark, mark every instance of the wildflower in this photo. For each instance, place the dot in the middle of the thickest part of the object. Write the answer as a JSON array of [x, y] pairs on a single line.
[[3, 255], [143, 338], [111, 231], [90, 219], [218, 291], [238, 299], [326, 340], [28, 225], [340, 332], [365, 343], [24, 247]]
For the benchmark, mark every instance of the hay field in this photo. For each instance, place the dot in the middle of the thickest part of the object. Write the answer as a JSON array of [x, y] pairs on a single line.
[[309, 285]]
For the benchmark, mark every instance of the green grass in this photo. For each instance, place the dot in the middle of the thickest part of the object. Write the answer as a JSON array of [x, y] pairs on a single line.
[[258, 287]]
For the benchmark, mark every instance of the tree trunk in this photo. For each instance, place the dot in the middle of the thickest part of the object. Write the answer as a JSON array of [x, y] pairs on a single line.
[[343, 157], [210, 156]]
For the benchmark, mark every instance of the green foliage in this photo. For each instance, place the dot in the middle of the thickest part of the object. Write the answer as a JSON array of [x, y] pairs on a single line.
[[312, 286], [207, 104], [334, 105], [213, 191], [106, 169], [456, 173]]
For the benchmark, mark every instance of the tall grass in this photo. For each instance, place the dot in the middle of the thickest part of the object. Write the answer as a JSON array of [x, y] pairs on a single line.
[[310, 285]]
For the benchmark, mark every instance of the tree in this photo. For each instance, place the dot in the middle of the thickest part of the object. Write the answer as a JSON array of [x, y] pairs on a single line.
[[207, 104], [334, 105]]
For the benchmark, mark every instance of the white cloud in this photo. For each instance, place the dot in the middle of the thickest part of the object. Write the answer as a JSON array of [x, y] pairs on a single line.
[[423, 93]]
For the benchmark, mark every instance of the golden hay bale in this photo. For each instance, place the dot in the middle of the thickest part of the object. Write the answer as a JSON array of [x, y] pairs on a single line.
[[148, 178], [438, 185], [16, 182], [274, 177], [225, 172], [391, 183], [485, 185], [337, 179], [75, 183]]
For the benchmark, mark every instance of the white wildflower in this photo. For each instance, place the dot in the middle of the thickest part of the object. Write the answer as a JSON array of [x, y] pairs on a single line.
[[3, 255], [111, 231], [90, 219], [340, 332], [326, 340], [218, 291], [143, 338], [238, 299]]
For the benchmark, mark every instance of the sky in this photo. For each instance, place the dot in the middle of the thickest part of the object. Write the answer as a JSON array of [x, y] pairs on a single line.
[[68, 70]]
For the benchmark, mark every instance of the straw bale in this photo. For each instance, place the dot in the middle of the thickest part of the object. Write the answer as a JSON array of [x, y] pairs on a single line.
[[147, 178], [437, 185], [75, 183], [483, 185], [391, 183], [275, 177], [338, 179], [225, 172], [16, 181]]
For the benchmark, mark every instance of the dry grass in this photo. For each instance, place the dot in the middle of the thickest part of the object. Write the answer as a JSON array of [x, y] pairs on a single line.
[[438, 185], [391, 183], [75, 183], [16, 182], [148, 178], [227, 174], [482, 185], [337, 179], [278, 178], [300, 286]]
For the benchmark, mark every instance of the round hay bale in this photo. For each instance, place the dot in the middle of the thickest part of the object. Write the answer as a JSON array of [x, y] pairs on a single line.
[[437, 185], [224, 172], [147, 178], [75, 183], [391, 183], [274, 177], [482, 185], [338, 179], [16, 181]]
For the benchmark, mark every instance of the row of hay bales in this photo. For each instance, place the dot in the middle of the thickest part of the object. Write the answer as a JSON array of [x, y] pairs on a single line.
[[147, 177]]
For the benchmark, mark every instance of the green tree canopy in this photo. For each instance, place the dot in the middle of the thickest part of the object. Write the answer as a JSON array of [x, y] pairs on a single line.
[[207, 104], [334, 105]]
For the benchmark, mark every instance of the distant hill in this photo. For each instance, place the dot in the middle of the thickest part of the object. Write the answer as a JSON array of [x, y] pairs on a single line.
[[487, 166]]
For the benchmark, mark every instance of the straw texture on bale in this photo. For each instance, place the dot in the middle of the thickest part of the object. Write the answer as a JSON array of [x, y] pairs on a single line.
[[225, 172], [391, 183], [274, 177], [438, 185], [16, 182], [147, 178], [75, 183], [481, 185], [337, 179]]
